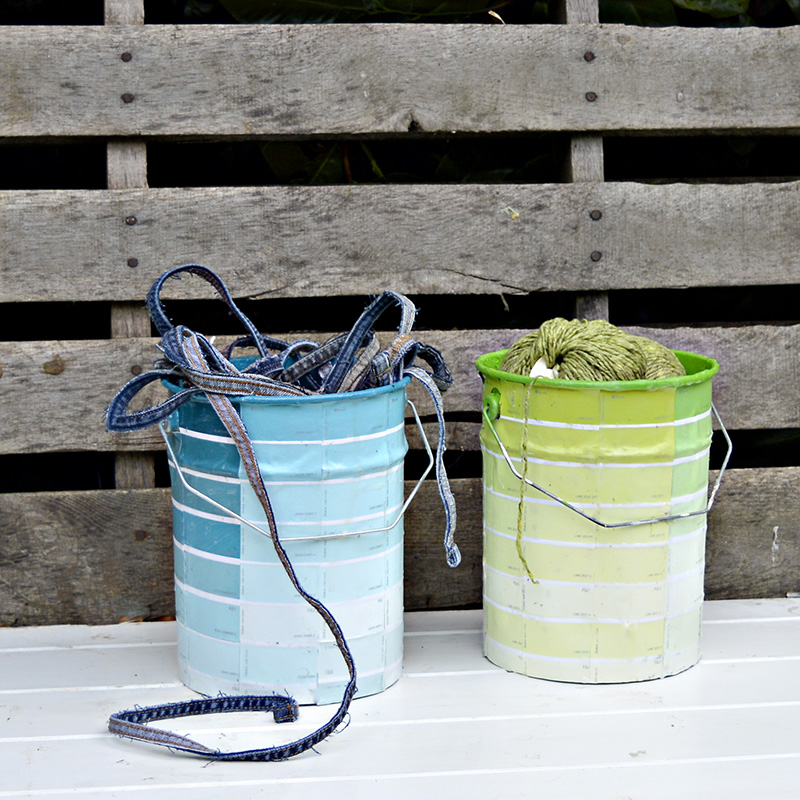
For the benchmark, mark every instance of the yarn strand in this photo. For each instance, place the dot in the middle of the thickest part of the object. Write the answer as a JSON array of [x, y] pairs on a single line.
[[522, 484]]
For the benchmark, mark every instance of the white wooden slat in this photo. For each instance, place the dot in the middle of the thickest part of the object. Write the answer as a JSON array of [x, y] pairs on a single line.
[[453, 749], [451, 644], [70, 637], [454, 659], [709, 686], [699, 779], [462, 726], [736, 779], [757, 610], [425, 623], [753, 638], [81, 670]]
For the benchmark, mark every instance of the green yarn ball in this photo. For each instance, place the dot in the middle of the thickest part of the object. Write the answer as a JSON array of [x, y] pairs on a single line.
[[596, 350]]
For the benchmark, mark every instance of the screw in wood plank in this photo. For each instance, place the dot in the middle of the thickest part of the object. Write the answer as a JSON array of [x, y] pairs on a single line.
[[130, 220], [126, 57], [127, 97], [595, 215], [133, 262], [596, 255], [136, 369], [588, 56], [591, 96]]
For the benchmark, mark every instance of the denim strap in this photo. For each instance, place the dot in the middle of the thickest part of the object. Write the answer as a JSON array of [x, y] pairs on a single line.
[[162, 321], [131, 723], [357, 337], [445, 492], [225, 379]]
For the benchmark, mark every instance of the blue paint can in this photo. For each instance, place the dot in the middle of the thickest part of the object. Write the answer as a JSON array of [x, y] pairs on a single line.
[[333, 467]]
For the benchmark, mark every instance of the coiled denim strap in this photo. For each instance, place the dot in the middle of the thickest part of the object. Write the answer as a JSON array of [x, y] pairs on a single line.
[[131, 724], [162, 321]]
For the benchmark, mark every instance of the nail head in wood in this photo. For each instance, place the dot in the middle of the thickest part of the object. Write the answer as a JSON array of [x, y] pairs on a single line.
[[591, 96], [596, 255], [595, 215], [127, 97]]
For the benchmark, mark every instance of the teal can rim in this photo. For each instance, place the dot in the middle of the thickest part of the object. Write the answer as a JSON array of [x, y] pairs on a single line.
[[698, 370], [306, 398]]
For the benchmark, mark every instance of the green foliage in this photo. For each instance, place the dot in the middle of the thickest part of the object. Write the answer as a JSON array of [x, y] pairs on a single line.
[[718, 9], [441, 160], [654, 13], [701, 13], [355, 10]]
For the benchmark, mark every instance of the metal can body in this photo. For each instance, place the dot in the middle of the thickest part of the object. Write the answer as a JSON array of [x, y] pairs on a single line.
[[333, 468], [609, 604]]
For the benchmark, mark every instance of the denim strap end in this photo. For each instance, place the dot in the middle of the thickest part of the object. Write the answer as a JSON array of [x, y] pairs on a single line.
[[453, 556], [288, 712]]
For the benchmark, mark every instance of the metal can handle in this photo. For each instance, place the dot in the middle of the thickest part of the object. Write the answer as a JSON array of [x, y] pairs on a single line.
[[491, 406]]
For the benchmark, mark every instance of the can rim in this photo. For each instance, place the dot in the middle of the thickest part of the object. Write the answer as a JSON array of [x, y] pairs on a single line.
[[293, 399], [698, 370]]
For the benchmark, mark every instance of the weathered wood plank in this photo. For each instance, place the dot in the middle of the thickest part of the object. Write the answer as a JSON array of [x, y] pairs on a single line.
[[753, 360], [126, 169], [329, 241], [75, 381], [754, 535], [77, 556], [127, 164], [93, 557], [124, 12], [263, 80], [575, 11], [68, 413], [585, 164]]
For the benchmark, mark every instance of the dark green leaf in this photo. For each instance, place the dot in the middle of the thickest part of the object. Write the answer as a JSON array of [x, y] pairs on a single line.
[[289, 162], [715, 8], [653, 13], [272, 11], [794, 5]]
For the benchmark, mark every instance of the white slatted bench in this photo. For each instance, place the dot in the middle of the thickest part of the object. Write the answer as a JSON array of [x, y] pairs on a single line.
[[455, 726]]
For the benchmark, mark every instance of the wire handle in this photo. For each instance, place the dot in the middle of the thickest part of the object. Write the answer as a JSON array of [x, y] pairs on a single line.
[[495, 409], [229, 512]]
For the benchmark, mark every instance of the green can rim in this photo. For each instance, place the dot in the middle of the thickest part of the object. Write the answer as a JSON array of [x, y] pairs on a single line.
[[698, 370]]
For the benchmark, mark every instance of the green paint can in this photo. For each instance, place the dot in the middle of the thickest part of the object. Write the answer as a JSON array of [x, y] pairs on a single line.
[[600, 489]]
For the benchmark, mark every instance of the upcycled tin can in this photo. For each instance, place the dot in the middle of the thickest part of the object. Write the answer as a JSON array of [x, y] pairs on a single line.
[[333, 468], [606, 604]]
